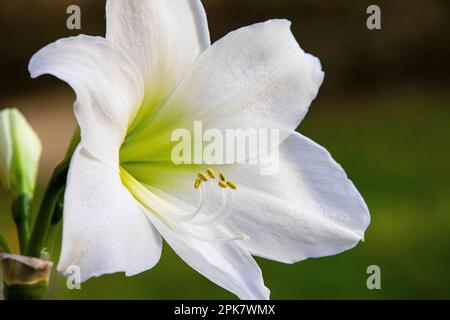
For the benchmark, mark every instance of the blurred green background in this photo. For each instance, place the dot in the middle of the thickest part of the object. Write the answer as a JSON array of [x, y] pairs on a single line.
[[383, 112]]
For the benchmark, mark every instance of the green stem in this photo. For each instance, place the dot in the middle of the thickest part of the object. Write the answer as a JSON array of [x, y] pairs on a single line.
[[50, 213], [4, 245], [74, 142], [55, 227], [26, 292], [59, 208], [50, 201], [21, 214], [45, 215]]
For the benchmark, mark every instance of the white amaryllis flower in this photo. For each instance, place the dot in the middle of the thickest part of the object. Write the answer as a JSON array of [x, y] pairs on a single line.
[[156, 71]]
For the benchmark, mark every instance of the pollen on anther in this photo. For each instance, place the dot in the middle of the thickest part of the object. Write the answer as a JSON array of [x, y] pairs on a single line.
[[222, 177], [202, 176], [211, 173], [197, 183], [222, 184], [232, 185]]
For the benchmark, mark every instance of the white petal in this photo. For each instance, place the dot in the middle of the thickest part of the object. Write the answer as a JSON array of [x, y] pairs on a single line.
[[109, 89], [104, 230], [255, 77], [224, 263], [309, 209], [163, 37]]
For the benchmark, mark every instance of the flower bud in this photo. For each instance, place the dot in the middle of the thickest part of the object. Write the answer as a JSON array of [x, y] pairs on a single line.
[[20, 150]]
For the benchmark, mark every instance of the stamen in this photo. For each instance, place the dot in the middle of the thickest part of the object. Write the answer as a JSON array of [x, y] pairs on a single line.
[[222, 177], [211, 173], [153, 202], [165, 210], [202, 176], [223, 212], [222, 184], [232, 185], [225, 207]]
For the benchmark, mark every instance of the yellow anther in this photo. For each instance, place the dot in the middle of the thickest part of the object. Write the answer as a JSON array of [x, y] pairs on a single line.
[[197, 183], [211, 173], [222, 184], [202, 176], [232, 185], [222, 177]]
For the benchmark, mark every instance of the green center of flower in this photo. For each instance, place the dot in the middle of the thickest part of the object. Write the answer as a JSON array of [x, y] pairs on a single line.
[[146, 150], [146, 165]]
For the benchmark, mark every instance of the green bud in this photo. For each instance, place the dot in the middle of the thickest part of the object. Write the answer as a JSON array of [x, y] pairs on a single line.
[[20, 150]]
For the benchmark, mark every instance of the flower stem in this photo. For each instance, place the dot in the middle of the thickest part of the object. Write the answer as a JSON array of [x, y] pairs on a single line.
[[59, 208], [49, 214], [4, 245], [26, 292], [55, 225], [50, 211], [45, 215], [76, 138], [21, 214], [24, 278]]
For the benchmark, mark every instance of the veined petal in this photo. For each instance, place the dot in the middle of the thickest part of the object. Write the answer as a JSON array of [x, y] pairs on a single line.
[[108, 86], [105, 229], [256, 77], [224, 263], [163, 37], [309, 209]]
